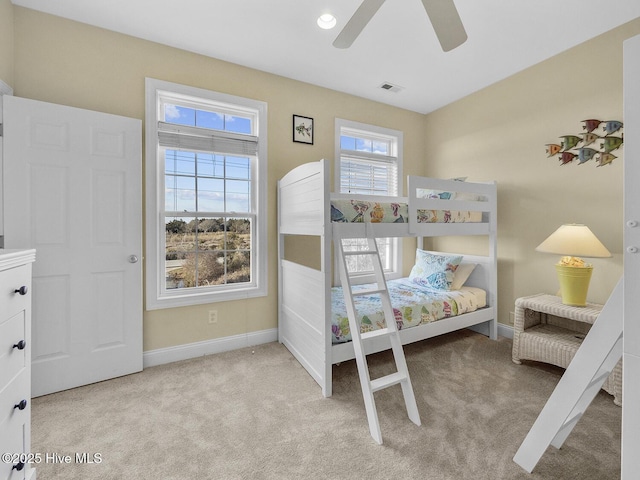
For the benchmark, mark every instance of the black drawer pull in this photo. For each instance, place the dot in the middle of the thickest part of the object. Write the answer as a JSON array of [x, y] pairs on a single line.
[[22, 290], [20, 345], [21, 406], [18, 466]]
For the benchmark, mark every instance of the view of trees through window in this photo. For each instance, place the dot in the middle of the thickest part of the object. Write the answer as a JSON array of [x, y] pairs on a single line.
[[206, 195], [207, 251], [204, 245]]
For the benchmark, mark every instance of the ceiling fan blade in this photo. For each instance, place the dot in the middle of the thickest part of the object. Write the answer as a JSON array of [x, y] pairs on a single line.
[[357, 22], [446, 23]]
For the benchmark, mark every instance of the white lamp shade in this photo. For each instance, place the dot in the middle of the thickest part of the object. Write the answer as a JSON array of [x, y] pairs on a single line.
[[574, 240]]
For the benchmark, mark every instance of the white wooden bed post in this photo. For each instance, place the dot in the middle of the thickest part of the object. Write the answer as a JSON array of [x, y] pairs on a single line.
[[493, 255], [327, 234]]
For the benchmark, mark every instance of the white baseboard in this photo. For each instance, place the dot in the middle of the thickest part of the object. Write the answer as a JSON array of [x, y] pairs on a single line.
[[503, 330], [161, 356]]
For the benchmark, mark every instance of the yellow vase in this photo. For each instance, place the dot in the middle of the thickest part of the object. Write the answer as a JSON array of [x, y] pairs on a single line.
[[574, 284]]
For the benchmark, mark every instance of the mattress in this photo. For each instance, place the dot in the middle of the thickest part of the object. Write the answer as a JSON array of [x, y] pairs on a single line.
[[413, 305], [359, 211]]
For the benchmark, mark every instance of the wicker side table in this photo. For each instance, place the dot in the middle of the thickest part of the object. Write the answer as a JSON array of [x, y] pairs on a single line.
[[546, 330]]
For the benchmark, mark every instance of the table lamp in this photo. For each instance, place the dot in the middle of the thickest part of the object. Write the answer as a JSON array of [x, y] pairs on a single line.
[[574, 241]]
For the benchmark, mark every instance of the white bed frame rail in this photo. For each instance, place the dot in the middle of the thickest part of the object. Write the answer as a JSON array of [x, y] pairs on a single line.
[[488, 207], [304, 293]]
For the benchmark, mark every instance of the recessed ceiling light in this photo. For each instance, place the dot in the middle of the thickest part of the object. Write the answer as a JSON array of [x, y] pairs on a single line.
[[326, 21]]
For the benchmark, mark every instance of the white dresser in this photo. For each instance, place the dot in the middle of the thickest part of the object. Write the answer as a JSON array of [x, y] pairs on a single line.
[[15, 364]]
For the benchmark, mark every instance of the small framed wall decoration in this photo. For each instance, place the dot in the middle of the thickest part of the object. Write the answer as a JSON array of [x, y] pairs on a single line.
[[302, 129]]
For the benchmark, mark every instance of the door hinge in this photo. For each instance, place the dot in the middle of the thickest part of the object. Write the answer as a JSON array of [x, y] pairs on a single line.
[[0, 129]]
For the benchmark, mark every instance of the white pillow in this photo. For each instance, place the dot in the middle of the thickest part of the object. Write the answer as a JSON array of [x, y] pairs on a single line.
[[461, 275]]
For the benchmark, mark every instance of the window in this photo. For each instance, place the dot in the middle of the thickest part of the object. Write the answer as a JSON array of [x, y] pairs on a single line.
[[369, 162], [206, 196]]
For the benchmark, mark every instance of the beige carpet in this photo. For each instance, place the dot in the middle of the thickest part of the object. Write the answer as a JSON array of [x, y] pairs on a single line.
[[256, 414]]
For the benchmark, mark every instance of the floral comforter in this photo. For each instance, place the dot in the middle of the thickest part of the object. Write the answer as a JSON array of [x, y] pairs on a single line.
[[413, 305]]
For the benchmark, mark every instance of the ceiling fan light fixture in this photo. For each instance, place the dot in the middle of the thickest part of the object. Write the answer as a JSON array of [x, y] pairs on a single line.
[[326, 21]]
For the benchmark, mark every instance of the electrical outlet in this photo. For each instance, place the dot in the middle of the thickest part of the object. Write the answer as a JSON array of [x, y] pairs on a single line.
[[213, 316]]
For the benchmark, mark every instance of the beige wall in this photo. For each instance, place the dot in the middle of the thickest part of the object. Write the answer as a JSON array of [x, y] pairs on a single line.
[[6, 42], [69, 63], [500, 134], [497, 134]]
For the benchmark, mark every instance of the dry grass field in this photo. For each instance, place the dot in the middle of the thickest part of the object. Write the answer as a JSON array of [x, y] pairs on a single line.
[[207, 258]]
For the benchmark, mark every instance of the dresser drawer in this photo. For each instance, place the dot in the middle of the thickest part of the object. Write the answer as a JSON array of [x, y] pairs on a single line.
[[14, 443], [11, 395], [15, 423], [11, 302], [13, 359]]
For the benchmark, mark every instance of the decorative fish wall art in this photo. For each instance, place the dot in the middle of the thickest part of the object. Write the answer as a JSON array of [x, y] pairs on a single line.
[[597, 142]]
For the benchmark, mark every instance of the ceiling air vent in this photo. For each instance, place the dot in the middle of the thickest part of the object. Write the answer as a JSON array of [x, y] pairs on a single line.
[[390, 87]]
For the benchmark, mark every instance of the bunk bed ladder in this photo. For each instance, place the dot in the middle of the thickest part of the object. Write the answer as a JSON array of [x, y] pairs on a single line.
[[581, 382], [401, 376]]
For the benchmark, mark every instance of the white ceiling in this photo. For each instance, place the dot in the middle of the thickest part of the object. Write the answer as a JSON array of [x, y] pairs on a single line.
[[398, 46]]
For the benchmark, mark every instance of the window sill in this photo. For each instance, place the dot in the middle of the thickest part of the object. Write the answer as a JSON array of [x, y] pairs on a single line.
[[189, 299]]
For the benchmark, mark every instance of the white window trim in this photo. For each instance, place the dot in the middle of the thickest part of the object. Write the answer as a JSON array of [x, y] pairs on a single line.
[[341, 123], [154, 197], [5, 89], [396, 269]]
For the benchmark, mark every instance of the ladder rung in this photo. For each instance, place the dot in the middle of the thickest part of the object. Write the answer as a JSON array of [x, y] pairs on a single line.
[[599, 378], [381, 332], [373, 291], [387, 381], [360, 252], [571, 421]]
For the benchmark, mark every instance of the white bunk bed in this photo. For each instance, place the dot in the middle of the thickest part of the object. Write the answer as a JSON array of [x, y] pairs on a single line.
[[304, 294]]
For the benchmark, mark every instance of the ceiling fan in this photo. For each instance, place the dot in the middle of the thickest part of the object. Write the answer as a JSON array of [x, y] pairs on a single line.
[[442, 13]]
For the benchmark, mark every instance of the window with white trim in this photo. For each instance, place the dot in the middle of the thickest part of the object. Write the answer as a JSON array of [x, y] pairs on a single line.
[[206, 196], [369, 162]]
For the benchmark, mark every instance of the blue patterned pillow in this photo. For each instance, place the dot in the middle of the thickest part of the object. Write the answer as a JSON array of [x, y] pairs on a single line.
[[434, 271]]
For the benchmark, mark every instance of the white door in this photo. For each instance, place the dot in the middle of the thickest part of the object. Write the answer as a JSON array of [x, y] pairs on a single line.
[[72, 191], [631, 346]]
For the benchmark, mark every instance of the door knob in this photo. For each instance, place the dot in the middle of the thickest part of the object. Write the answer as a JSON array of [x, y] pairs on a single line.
[[133, 259]]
